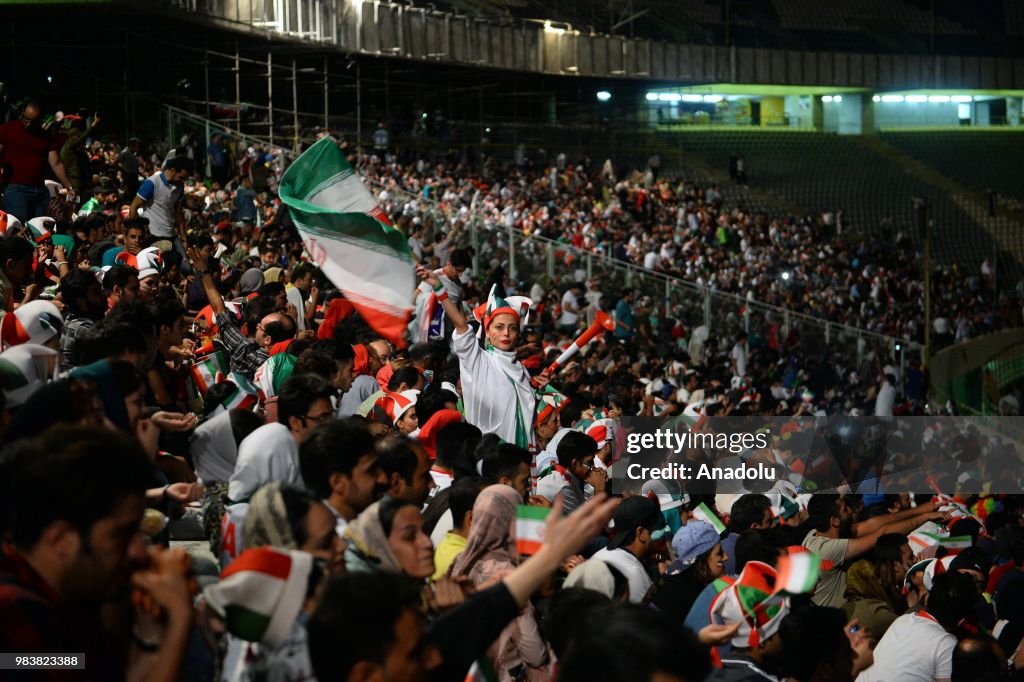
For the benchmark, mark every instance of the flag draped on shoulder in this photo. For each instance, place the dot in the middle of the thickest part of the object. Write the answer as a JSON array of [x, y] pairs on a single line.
[[351, 238]]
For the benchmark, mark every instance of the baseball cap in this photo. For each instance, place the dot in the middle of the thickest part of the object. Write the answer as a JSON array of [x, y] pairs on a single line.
[[635, 512]]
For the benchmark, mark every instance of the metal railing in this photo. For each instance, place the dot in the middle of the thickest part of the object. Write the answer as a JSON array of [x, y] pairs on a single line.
[[724, 314], [533, 256]]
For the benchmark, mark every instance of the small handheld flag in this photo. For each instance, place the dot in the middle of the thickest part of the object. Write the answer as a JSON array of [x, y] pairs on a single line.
[[530, 522], [702, 513]]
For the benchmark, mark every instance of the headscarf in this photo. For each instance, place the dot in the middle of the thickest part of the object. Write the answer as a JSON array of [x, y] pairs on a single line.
[[213, 447], [862, 582], [266, 522], [361, 365], [368, 549], [109, 392], [250, 282], [491, 548], [334, 312]]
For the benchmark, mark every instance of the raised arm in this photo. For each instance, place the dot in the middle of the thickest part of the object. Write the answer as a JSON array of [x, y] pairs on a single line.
[[876, 522], [209, 286], [58, 169], [563, 537], [863, 544], [450, 309]]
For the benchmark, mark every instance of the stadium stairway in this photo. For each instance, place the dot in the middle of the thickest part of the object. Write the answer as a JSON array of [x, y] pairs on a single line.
[[1003, 228], [869, 181]]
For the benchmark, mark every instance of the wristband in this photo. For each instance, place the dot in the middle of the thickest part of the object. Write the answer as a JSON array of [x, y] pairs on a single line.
[[439, 287]]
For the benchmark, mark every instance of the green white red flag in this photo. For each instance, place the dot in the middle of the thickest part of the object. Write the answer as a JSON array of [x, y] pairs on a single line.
[[350, 238], [206, 369], [530, 522], [797, 572], [702, 513]]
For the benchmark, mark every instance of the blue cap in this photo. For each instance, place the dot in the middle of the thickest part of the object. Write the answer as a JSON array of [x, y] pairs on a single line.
[[693, 539]]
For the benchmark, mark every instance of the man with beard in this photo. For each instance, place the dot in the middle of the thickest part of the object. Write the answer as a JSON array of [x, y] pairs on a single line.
[[74, 501], [832, 535], [339, 464]]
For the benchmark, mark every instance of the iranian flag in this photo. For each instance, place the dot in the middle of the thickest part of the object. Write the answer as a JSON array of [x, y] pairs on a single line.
[[244, 397], [921, 540], [530, 522], [702, 513], [350, 238], [206, 369], [798, 572]]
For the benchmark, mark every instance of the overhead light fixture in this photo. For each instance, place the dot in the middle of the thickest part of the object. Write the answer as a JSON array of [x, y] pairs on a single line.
[[892, 98], [939, 99], [827, 99], [548, 28], [916, 99], [712, 99], [692, 98], [652, 97], [961, 99], [603, 95], [668, 97], [837, 99], [876, 98]]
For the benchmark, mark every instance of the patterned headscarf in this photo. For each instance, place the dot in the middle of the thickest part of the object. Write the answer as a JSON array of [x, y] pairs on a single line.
[[266, 522], [491, 547]]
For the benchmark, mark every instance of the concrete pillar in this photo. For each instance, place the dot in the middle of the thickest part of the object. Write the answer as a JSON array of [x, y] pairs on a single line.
[[1013, 108], [817, 113], [856, 115]]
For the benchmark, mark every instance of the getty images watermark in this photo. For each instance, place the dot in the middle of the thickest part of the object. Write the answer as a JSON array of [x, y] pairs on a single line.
[[672, 441], [868, 455]]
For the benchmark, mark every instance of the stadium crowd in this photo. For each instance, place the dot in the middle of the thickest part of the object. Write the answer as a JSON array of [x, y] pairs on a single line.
[[184, 372]]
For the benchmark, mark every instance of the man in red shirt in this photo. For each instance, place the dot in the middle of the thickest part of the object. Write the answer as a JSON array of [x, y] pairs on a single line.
[[26, 149]]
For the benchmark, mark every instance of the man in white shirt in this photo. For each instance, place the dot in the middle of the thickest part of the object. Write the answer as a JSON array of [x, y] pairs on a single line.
[[640, 530], [886, 397], [651, 259], [416, 240], [271, 452], [738, 356], [918, 646], [570, 308], [339, 464]]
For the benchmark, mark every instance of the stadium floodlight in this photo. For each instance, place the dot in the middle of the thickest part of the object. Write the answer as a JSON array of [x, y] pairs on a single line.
[[876, 98], [939, 99], [603, 95], [712, 99], [916, 99], [827, 99], [692, 98], [961, 99], [892, 98], [668, 97], [652, 97]]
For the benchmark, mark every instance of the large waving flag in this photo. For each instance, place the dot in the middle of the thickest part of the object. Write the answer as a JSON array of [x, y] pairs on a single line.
[[350, 238]]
